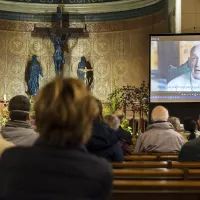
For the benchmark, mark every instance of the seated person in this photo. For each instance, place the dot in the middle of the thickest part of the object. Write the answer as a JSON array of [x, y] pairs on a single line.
[[190, 129], [114, 122], [58, 166], [189, 81], [176, 123], [104, 141], [191, 150], [17, 130], [124, 135], [4, 145], [160, 135]]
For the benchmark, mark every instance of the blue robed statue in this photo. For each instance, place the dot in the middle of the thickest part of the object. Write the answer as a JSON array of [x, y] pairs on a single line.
[[34, 71]]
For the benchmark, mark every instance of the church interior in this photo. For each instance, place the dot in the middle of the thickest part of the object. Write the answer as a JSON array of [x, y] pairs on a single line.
[[99, 99]]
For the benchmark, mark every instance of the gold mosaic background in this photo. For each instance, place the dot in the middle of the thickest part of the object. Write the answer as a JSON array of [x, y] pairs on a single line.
[[117, 50]]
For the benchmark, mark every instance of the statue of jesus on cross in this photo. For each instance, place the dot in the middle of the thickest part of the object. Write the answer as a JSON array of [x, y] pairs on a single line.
[[59, 37], [58, 56]]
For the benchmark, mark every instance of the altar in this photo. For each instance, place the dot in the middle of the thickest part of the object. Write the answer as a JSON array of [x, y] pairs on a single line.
[[115, 47]]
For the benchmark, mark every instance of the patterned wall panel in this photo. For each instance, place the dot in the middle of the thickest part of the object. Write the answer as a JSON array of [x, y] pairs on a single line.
[[119, 54]]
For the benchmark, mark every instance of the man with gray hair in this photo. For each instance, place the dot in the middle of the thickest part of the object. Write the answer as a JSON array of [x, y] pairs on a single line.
[[160, 135]]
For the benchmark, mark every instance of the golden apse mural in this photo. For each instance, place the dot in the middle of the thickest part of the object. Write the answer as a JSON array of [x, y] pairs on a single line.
[[117, 50]]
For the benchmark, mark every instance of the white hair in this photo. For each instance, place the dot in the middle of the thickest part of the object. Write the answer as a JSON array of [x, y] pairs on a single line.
[[159, 113], [113, 121], [176, 123]]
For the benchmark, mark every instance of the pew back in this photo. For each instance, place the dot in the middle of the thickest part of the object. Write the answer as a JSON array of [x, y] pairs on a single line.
[[156, 190], [153, 157], [156, 174], [154, 164]]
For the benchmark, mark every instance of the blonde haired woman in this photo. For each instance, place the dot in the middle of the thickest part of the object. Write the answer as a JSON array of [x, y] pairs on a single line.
[[58, 165]]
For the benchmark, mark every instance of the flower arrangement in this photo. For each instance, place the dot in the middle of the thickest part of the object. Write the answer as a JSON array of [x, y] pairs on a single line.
[[4, 114], [130, 98], [32, 111]]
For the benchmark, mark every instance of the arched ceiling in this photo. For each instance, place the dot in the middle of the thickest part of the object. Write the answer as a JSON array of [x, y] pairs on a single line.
[[104, 10], [74, 6]]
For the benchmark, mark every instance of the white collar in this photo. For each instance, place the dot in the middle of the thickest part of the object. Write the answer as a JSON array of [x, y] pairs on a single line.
[[195, 83]]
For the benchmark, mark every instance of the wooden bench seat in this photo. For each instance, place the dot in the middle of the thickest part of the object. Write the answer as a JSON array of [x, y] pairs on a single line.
[[156, 190], [135, 185], [156, 157], [156, 174], [154, 164]]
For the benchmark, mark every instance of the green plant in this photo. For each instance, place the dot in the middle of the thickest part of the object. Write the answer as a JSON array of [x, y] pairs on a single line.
[[131, 97], [113, 102], [125, 126]]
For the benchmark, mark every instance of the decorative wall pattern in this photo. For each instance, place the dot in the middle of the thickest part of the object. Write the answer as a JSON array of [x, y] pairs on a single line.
[[117, 51]]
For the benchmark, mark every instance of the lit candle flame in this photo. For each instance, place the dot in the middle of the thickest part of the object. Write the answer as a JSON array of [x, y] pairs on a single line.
[[4, 97]]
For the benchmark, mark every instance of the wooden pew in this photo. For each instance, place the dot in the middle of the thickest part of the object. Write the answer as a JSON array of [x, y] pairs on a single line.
[[154, 164], [148, 174], [156, 185], [153, 157], [154, 153], [156, 190], [156, 174]]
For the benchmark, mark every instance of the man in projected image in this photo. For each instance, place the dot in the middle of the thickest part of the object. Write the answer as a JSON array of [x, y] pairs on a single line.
[[189, 81]]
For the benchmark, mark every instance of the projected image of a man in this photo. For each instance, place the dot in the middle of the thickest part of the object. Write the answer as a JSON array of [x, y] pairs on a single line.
[[194, 61], [189, 81]]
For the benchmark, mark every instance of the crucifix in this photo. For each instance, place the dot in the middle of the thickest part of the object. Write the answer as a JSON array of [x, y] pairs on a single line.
[[85, 71], [59, 36]]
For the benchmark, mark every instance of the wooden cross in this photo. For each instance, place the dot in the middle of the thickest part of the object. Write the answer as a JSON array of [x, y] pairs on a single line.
[[60, 35]]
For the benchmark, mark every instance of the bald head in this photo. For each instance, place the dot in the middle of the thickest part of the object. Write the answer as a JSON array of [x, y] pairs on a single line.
[[194, 49], [159, 113], [194, 61]]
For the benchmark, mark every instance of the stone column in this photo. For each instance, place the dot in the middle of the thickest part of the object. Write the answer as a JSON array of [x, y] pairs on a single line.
[[174, 13], [178, 16]]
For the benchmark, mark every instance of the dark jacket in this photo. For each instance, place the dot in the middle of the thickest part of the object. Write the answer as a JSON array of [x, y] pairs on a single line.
[[125, 135], [47, 173], [190, 151], [105, 142], [19, 133]]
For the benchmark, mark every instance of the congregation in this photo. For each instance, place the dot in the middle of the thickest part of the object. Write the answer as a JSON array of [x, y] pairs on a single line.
[[67, 154]]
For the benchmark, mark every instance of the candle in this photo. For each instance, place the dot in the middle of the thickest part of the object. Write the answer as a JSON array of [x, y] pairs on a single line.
[[4, 97]]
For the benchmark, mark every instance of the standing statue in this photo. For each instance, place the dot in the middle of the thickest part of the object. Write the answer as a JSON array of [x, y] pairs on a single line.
[[58, 56], [82, 75], [84, 72], [34, 71]]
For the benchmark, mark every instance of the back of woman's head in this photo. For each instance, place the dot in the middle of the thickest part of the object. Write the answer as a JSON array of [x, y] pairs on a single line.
[[113, 121], [191, 126], [64, 111], [175, 122]]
